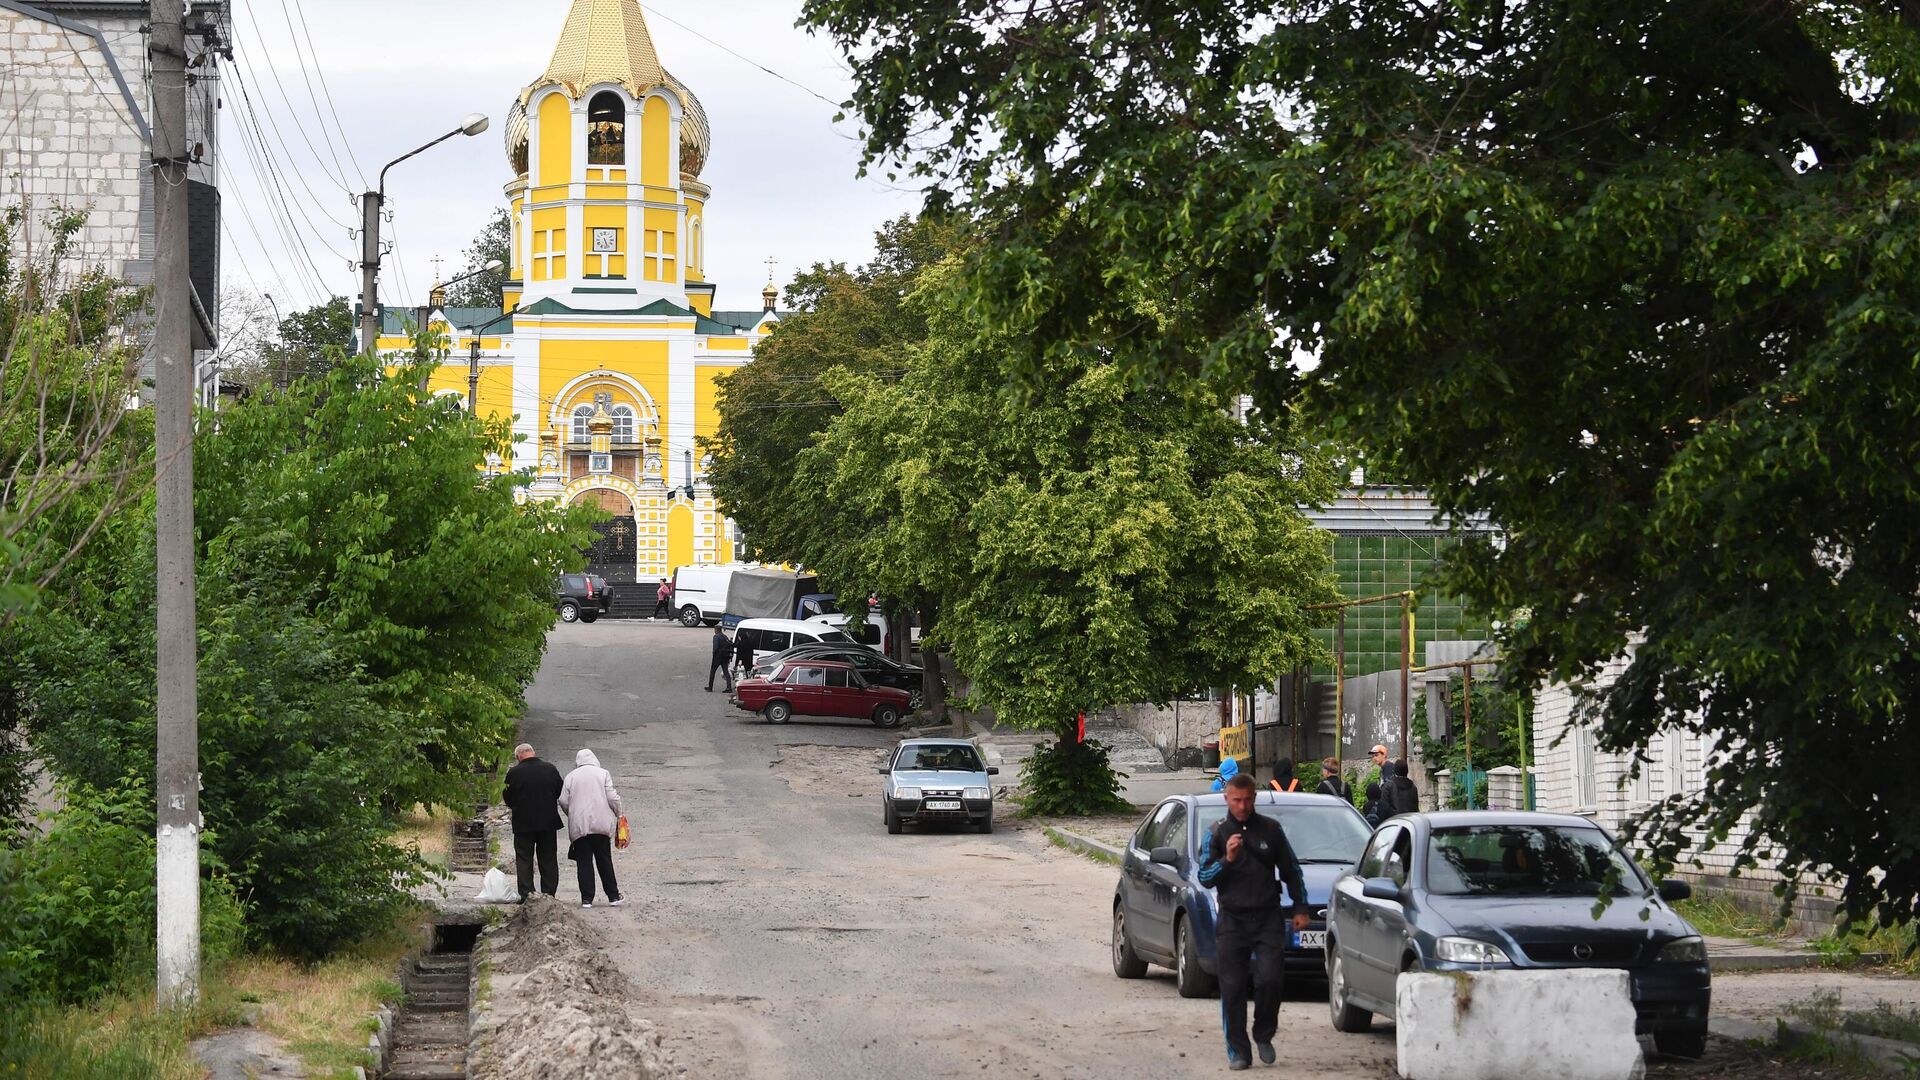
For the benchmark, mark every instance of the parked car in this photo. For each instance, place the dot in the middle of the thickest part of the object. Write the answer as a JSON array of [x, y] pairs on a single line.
[[582, 597], [1163, 915], [876, 668], [873, 632], [1485, 890], [808, 687], [779, 635], [942, 780]]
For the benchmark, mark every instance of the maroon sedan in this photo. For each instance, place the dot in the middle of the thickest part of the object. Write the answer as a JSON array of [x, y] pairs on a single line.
[[819, 688]]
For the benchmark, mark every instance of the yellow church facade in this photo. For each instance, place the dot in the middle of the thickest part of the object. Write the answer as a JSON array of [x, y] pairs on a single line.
[[608, 347]]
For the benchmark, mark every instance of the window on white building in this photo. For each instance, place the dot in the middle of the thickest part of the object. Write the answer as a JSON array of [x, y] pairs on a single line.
[[623, 424], [1676, 763], [1586, 783], [581, 415]]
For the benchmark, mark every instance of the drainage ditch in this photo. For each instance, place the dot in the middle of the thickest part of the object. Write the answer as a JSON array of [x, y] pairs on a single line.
[[430, 1033]]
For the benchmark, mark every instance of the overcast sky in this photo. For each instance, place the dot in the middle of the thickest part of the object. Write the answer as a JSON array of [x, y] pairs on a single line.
[[402, 71]]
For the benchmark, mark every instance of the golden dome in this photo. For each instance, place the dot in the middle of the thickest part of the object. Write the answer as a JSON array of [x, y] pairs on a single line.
[[606, 41]]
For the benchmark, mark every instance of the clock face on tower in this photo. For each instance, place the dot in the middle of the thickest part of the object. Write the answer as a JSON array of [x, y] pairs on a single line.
[[606, 240]]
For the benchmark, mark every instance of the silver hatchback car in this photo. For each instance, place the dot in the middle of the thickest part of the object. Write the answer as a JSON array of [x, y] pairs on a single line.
[[931, 780]]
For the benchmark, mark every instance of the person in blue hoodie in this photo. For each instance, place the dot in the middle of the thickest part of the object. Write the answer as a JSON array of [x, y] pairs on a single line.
[[1229, 768]]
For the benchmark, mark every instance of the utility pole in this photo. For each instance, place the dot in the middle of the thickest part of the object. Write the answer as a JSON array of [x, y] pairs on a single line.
[[177, 736], [370, 265]]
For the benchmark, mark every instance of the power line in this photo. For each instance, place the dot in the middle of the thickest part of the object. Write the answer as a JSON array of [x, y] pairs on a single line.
[[274, 171], [328, 93], [253, 143], [301, 55], [255, 112], [737, 56], [291, 111]]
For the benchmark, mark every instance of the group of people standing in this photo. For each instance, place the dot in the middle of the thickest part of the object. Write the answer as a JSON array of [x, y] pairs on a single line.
[[1390, 792], [538, 797], [726, 653]]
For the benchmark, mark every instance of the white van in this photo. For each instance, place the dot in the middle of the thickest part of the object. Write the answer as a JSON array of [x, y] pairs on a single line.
[[700, 592], [767, 636], [875, 634]]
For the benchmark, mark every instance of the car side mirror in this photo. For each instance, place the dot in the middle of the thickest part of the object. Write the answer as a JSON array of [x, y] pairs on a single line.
[[1674, 889], [1165, 856], [1380, 888], [883, 770], [993, 770]]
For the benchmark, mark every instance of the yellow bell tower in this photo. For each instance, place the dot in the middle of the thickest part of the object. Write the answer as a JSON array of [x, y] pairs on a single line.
[[607, 146]]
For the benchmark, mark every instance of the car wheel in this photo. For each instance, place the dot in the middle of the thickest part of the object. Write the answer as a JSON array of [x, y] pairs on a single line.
[[893, 819], [589, 616], [569, 611], [1126, 963], [1346, 1016], [1187, 975], [985, 824], [1681, 1044], [916, 697], [689, 616], [887, 716], [778, 712]]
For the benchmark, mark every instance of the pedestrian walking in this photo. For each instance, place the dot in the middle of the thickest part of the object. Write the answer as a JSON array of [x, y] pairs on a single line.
[[1229, 768], [1283, 778], [533, 796], [743, 650], [663, 600], [593, 814], [1330, 782], [1243, 859], [1374, 808], [1400, 794], [722, 660], [1378, 756]]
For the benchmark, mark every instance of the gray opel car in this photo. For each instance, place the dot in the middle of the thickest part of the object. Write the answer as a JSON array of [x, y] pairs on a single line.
[[1477, 890], [937, 780]]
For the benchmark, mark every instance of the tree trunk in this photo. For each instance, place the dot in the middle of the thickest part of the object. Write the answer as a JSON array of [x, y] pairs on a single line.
[[930, 682]]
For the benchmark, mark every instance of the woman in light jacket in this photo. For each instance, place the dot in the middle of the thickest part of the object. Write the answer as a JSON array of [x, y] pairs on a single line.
[[593, 812]]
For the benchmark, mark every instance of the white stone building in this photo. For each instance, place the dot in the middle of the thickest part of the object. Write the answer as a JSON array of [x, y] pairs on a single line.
[[1572, 775], [75, 127]]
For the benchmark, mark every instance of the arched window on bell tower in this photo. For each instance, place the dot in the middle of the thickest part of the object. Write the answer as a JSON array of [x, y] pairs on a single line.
[[606, 129]]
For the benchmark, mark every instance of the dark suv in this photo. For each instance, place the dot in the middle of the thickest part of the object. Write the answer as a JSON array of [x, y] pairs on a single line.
[[583, 597]]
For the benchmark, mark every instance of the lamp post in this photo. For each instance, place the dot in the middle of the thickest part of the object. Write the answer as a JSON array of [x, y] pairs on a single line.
[[370, 203], [473, 353]]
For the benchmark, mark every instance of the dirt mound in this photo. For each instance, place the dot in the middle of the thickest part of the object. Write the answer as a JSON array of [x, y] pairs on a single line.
[[556, 1007], [813, 769]]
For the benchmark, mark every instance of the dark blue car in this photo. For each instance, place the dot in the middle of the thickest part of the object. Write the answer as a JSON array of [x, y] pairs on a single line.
[[1478, 890], [1163, 915]]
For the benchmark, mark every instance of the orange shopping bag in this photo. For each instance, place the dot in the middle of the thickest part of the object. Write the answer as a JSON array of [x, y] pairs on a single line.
[[621, 838]]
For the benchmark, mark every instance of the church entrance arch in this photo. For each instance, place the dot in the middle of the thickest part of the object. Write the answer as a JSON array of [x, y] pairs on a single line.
[[612, 553]]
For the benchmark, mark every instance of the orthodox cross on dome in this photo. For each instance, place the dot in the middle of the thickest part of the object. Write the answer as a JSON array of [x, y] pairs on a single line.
[[769, 269]]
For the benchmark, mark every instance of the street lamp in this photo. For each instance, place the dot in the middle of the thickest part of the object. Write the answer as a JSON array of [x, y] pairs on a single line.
[[437, 296], [473, 354], [370, 202]]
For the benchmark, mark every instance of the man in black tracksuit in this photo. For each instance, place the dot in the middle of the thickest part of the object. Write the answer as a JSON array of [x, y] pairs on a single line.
[[1243, 859], [533, 794], [722, 660]]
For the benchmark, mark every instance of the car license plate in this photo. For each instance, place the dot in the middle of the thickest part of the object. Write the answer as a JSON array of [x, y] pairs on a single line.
[[1310, 939], [943, 804]]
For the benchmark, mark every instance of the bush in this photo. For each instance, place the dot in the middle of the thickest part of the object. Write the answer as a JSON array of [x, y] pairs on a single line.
[[80, 901], [1070, 778]]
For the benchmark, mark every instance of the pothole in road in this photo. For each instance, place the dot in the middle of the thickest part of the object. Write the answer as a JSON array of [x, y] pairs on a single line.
[[814, 769]]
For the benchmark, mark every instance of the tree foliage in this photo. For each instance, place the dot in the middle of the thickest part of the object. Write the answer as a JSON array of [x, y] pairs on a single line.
[[1632, 278], [483, 289]]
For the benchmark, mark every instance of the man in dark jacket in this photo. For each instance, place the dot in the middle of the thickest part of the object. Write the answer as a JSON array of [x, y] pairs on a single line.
[[743, 649], [722, 660], [1330, 782], [1398, 793], [533, 794], [1243, 860], [1374, 808]]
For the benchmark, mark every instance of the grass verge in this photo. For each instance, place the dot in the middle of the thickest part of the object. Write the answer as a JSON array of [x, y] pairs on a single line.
[[1058, 840], [1896, 942], [1719, 917]]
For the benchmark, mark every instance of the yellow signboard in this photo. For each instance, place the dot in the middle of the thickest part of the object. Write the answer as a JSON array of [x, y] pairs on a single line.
[[1233, 743]]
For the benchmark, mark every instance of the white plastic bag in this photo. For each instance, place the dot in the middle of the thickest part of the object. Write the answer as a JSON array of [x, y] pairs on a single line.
[[497, 888]]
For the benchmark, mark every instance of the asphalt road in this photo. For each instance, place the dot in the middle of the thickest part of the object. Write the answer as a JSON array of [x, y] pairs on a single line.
[[778, 931]]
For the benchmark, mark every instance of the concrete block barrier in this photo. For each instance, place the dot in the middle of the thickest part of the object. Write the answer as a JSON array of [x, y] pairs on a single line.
[[1517, 1025]]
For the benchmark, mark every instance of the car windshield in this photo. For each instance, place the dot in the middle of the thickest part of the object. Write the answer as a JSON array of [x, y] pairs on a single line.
[[1318, 833], [835, 636], [955, 758], [1528, 860]]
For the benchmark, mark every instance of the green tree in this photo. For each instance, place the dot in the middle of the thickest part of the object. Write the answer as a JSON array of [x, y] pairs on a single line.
[[1089, 540], [483, 289], [311, 341], [1634, 279]]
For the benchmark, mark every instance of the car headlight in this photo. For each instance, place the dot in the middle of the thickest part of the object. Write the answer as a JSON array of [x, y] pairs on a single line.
[[1460, 950], [978, 793], [906, 793], [1686, 950]]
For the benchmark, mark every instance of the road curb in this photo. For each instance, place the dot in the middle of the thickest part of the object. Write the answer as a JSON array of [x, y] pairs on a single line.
[[1891, 1055], [1075, 842], [1784, 961]]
